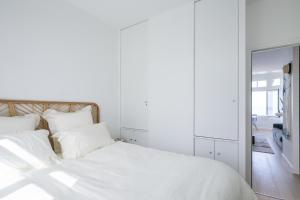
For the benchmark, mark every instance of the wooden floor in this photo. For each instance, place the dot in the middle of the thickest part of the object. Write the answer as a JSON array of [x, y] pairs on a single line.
[[263, 197], [271, 176]]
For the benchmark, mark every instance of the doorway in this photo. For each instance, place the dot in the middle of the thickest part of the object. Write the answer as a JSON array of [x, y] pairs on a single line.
[[275, 123]]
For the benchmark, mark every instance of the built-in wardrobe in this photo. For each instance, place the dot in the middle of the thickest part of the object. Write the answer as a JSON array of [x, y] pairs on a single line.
[[179, 81], [216, 80], [133, 87]]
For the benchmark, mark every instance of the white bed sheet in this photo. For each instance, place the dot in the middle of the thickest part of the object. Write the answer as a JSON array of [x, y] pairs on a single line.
[[124, 171]]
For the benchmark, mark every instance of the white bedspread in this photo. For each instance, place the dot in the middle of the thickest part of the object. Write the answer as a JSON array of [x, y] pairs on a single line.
[[124, 171]]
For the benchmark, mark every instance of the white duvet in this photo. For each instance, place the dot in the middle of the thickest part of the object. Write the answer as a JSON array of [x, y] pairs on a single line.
[[124, 171]]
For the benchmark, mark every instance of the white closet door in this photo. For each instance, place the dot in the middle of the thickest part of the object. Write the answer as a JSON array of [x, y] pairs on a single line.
[[227, 152], [133, 77], [171, 72], [205, 148], [216, 68]]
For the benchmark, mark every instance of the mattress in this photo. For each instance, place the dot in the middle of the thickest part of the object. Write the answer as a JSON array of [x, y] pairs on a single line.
[[123, 171]]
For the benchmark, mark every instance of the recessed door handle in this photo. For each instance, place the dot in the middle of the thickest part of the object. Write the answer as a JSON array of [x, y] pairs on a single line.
[[218, 154]]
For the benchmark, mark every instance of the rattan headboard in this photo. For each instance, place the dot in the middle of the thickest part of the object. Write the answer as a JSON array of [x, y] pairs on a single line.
[[22, 107]]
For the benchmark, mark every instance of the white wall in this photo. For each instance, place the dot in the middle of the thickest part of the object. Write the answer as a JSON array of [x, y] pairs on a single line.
[[170, 70], [272, 23], [269, 23], [51, 50]]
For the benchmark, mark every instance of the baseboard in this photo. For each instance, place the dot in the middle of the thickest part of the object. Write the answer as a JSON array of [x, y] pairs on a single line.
[[288, 162], [269, 196]]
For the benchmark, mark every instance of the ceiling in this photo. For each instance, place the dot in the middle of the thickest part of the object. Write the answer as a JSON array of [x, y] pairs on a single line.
[[122, 13], [271, 60]]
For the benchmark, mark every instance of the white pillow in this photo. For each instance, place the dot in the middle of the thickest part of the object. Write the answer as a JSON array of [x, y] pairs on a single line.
[[61, 121], [79, 141], [27, 122], [26, 150]]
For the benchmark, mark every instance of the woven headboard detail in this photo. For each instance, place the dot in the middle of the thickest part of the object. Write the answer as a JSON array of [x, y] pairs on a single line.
[[22, 107]]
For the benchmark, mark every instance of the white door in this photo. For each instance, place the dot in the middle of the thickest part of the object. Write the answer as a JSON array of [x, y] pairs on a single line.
[[216, 68], [171, 73], [133, 77], [204, 147], [140, 137], [227, 152]]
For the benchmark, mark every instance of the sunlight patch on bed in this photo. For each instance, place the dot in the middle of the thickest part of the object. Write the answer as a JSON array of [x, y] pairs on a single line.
[[63, 178], [8, 176], [21, 153], [31, 192], [8, 181], [6, 169]]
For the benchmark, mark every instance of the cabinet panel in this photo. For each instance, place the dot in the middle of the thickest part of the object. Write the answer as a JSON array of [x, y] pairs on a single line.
[[133, 77], [171, 73], [204, 147], [227, 152], [140, 137], [216, 68]]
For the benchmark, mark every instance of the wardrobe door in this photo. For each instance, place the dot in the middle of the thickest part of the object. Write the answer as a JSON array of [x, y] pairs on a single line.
[[133, 77], [140, 137], [227, 152], [205, 148], [216, 68]]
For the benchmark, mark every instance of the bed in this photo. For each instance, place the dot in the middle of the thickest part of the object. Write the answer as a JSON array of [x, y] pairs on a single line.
[[122, 171]]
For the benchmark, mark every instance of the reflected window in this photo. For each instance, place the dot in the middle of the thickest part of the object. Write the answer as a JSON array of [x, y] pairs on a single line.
[[276, 82], [273, 102], [262, 83], [265, 102], [259, 103]]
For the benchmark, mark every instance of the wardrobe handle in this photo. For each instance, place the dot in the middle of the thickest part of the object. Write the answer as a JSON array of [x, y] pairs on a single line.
[[146, 103], [210, 152], [219, 154]]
